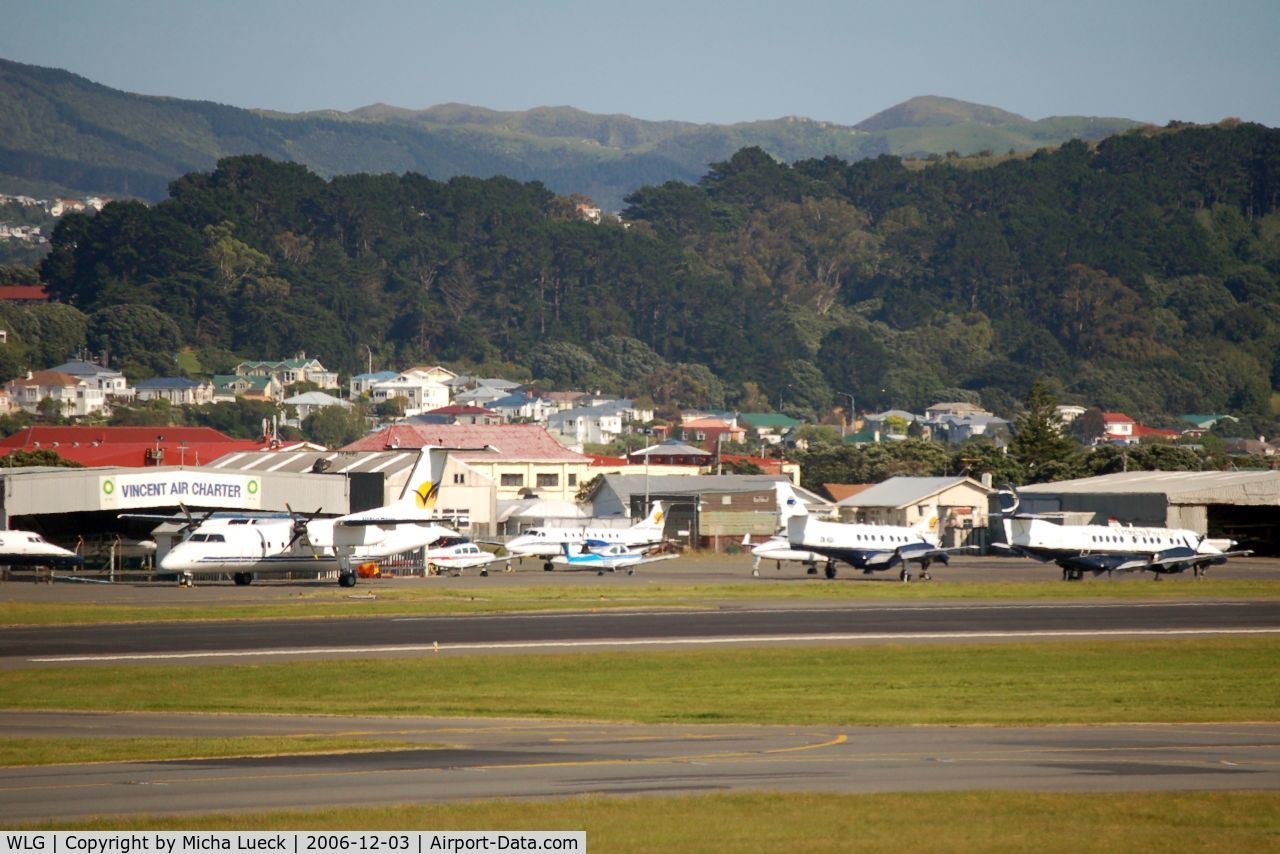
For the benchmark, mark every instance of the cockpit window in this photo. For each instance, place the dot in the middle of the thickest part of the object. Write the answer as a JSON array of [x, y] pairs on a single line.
[[207, 538]]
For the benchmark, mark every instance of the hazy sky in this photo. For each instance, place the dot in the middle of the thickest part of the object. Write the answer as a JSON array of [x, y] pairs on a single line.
[[715, 61]]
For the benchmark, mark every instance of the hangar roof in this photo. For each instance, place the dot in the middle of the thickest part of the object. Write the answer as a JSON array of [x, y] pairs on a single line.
[[340, 462], [1181, 487]]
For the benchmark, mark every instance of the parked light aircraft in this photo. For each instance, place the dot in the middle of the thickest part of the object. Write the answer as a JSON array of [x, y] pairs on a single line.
[[1106, 548], [870, 548], [605, 557], [26, 548], [545, 542], [243, 545], [459, 553]]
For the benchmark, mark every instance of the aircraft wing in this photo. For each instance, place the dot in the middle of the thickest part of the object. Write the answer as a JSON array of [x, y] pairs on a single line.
[[624, 564], [1197, 556], [364, 521]]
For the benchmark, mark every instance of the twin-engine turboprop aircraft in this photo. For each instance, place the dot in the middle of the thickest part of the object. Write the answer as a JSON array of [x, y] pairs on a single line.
[[869, 548], [546, 542], [1106, 548], [242, 545]]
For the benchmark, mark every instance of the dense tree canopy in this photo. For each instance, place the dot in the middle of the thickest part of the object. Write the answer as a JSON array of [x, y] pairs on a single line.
[[1142, 274]]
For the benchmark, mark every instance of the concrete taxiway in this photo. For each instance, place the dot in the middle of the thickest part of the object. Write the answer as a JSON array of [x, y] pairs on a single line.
[[463, 759]]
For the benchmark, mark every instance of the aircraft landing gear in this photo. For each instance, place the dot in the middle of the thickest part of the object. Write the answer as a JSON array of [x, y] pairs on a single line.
[[904, 575], [812, 570], [186, 579], [242, 579], [830, 570], [548, 566], [347, 579]]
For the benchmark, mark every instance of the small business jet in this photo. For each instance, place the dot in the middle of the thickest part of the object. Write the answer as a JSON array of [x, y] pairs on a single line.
[[545, 542], [869, 548], [27, 548], [242, 545], [1096, 549], [605, 557]]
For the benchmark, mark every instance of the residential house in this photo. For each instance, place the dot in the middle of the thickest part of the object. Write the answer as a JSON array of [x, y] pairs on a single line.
[[771, 427], [421, 391], [363, 383], [711, 431], [77, 397], [592, 425], [958, 428], [480, 396], [958, 408], [301, 368], [310, 402], [1068, 413], [670, 453], [524, 406], [891, 422], [112, 383], [227, 387], [179, 391], [1118, 427]]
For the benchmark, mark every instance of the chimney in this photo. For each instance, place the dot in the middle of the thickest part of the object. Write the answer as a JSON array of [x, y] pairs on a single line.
[[986, 479]]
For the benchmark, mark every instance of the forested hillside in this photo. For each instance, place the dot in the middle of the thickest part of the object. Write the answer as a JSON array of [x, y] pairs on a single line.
[[65, 135], [1143, 275]]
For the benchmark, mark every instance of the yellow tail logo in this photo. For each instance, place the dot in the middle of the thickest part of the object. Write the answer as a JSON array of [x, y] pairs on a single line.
[[427, 494], [657, 517]]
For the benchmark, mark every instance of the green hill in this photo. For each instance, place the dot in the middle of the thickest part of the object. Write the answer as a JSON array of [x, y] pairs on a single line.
[[65, 134]]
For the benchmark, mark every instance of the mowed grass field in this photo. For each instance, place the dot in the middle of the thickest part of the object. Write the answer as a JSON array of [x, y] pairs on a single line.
[[916, 822], [1204, 679], [373, 599]]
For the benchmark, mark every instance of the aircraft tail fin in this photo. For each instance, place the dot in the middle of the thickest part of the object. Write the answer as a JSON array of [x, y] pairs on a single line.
[[789, 504], [422, 488], [654, 521]]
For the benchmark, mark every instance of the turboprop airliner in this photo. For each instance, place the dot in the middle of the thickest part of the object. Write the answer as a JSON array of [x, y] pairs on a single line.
[[545, 542], [869, 548], [27, 548], [1096, 549], [242, 545]]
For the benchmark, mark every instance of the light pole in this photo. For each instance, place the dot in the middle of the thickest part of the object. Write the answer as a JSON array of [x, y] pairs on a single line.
[[369, 350]]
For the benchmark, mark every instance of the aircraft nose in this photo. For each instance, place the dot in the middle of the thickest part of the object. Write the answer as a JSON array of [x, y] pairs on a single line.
[[177, 560]]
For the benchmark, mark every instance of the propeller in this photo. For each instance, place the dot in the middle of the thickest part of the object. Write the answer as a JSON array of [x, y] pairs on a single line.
[[192, 523], [300, 524]]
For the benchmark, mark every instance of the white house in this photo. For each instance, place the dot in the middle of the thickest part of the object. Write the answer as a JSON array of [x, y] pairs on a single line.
[[596, 425], [177, 390], [363, 383], [420, 392], [313, 401], [301, 368], [76, 396], [109, 380]]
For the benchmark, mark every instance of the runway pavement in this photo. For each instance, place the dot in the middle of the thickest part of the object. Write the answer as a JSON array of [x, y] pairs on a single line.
[[560, 632], [524, 758]]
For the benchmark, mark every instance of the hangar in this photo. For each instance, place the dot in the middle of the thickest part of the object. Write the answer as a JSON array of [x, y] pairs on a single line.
[[1239, 505]]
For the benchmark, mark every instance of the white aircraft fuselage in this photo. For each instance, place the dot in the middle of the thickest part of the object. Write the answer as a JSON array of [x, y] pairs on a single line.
[[27, 548]]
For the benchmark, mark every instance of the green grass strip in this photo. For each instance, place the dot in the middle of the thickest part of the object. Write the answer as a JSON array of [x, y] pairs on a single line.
[[55, 751], [1208, 679], [923, 822], [405, 600]]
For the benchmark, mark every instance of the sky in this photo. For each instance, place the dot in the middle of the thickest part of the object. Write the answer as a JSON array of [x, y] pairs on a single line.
[[718, 61]]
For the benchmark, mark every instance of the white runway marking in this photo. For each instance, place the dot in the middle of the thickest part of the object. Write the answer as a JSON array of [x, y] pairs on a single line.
[[604, 642]]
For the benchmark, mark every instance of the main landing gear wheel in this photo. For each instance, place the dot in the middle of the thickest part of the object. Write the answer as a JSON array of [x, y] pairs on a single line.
[[830, 570], [347, 579], [547, 567], [242, 579]]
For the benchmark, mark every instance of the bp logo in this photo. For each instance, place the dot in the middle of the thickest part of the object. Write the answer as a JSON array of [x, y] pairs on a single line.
[[253, 487], [108, 487]]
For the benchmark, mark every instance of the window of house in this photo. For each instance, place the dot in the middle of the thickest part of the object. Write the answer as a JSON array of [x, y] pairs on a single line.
[[573, 480], [459, 477], [512, 480], [548, 480]]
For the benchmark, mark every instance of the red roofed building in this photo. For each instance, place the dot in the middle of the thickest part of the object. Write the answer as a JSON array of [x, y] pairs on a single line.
[[130, 446], [518, 459], [23, 293], [1117, 427], [462, 414]]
